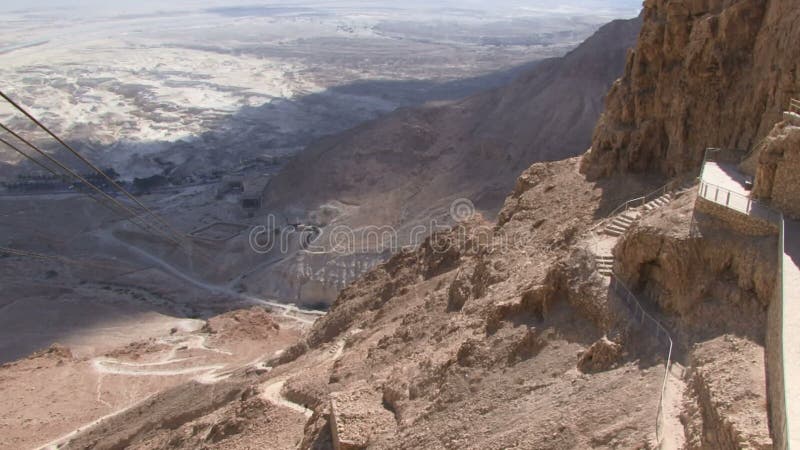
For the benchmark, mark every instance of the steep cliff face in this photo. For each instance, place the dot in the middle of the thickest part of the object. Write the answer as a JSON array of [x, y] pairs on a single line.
[[705, 73]]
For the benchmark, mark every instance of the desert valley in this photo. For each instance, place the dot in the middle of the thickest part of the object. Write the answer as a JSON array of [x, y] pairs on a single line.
[[436, 225]]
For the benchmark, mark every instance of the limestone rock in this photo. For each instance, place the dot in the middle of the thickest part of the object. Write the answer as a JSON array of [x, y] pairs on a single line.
[[704, 74], [778, 169], [602, 355]]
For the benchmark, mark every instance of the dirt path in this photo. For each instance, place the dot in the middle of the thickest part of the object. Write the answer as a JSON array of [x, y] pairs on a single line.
[[206, 374], [272, 393], [114, 367], [150, 369], [672, 431], [272, 390]]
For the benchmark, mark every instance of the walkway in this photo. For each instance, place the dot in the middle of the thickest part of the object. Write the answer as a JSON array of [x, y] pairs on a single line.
[[791, 331], [725, 185]]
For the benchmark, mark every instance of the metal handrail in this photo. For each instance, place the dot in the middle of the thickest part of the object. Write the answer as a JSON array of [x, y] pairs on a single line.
[[627, 205], [631, 300], [735, 201], [728, 198], [638, 201]]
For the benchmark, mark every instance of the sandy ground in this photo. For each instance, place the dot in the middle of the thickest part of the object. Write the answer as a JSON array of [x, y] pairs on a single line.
[[113, 318], [254, 81], [52, 395]]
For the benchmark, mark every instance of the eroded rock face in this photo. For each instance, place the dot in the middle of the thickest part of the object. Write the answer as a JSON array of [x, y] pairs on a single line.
[[778, 169], [696, 267], [705, 73]]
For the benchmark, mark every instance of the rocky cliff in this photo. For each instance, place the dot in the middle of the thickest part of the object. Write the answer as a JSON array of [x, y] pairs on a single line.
[[485, 337], [705, 73], [777, 167]]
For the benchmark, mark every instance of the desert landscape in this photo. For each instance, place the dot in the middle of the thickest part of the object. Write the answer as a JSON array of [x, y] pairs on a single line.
[[435, 225]]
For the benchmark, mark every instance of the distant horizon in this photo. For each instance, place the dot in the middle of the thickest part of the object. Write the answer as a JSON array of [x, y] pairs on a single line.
[[100, 8]]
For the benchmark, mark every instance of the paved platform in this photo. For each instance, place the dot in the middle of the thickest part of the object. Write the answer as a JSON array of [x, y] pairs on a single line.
[[732, 183], [724, 184], [727, 176]]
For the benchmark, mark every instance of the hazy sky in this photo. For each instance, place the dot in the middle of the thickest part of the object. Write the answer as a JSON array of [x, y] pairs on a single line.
[[114, 7]]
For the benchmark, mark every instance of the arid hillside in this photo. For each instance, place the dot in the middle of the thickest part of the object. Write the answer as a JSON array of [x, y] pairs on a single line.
[[413, 163], [565, 323], [471, 341], [704, 74], [405, 170]]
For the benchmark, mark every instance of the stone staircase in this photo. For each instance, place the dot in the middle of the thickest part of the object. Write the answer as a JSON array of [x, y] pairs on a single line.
[[658, 202], [605, 265], [623, 222], [620, 225]]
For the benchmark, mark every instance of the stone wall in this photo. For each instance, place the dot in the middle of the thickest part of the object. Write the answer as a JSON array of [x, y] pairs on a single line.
[[736, 221], [774, 362], [357, 417]]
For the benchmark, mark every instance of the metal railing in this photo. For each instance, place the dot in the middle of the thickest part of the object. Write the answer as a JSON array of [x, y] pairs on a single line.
[[639, 201], [662, 335], [738, 202]]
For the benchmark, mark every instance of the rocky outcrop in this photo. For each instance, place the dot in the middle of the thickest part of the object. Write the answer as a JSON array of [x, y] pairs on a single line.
[[705, 73], [602, 355], [778, 169], [695, 267]]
